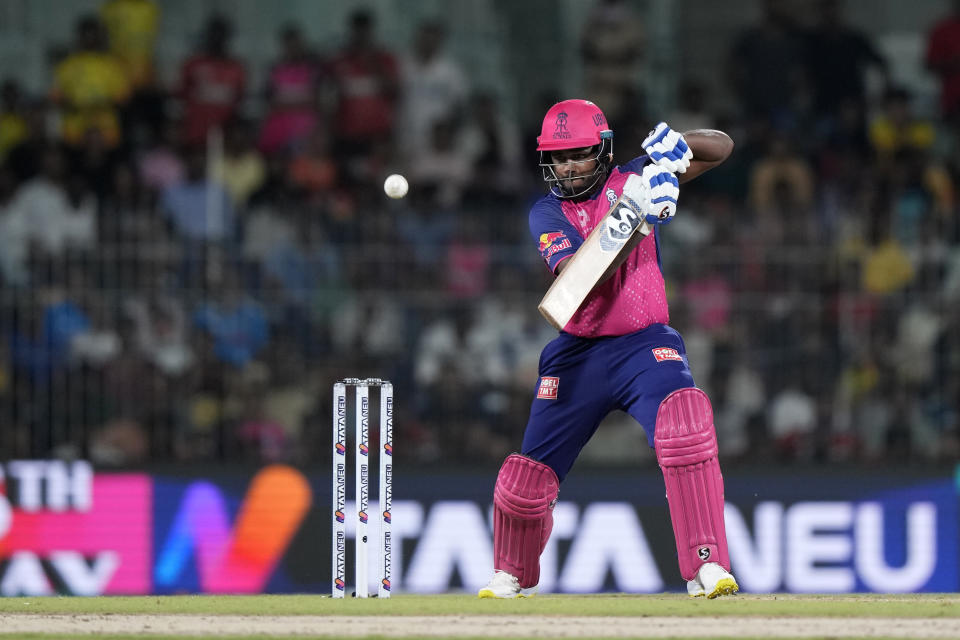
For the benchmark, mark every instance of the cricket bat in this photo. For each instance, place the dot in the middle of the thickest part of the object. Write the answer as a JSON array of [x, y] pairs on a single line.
[[606, 247]]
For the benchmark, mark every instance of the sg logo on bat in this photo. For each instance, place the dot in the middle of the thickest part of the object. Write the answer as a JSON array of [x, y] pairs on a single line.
[[618, 227]]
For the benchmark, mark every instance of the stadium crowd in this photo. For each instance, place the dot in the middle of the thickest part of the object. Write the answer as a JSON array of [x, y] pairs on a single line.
[[187, 269]]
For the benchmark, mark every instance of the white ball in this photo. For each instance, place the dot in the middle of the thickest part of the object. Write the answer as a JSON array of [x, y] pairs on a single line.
[[395, 186]]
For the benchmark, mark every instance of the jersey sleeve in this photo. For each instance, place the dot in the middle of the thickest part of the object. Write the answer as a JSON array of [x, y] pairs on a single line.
[[636, 165], [557, 239]]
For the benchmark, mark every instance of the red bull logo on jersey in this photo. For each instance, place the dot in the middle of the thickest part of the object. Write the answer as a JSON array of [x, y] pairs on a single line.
[[551, 243], [666, 353], [548, 388]]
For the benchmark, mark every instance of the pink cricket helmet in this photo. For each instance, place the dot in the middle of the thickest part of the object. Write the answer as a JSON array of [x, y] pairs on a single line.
[[572, 124]]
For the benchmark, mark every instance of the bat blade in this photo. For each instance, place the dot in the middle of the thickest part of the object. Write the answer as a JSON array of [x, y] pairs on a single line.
[[605, 247]]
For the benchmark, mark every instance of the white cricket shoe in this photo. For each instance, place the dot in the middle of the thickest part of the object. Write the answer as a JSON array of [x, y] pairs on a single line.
[[712, 581], [505, 585]]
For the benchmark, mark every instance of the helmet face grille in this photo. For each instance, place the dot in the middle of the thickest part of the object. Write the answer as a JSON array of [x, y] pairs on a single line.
[[559, 189]]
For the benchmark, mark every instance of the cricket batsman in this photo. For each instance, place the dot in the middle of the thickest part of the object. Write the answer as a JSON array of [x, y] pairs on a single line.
[[617, 352]]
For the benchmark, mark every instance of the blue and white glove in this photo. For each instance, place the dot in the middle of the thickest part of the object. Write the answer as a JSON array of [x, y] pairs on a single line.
[[668, 149], [655, 192]]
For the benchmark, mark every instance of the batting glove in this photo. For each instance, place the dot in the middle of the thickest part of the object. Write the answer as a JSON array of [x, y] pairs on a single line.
[[654, 194], [668, 149]]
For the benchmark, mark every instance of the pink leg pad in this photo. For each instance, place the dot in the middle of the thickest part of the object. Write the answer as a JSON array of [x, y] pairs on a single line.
[[523, 502], [686, 446]]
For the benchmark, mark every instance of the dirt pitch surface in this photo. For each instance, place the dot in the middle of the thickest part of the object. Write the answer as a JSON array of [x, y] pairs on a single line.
[[479, 626]]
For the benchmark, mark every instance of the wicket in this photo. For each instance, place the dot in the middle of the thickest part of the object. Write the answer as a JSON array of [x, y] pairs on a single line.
[[361, 484]]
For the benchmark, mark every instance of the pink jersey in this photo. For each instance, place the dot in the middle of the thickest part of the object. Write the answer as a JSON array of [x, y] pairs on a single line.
[[635, 296]]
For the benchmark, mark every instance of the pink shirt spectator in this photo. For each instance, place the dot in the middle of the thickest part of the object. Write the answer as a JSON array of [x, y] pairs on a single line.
[[293, 86], [161, 168], [711, 300]]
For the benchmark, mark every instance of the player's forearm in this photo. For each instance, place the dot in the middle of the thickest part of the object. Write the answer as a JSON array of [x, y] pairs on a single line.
[[710, 147]]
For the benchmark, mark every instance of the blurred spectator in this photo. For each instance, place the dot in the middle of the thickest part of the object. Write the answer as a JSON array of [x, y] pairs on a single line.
[[200, 209], [260, 437], [8, 188], [133, 236], [160, 332], [293, 88], [612, 46], [95, 162], [212, 82], [744, 400], [781, 176], [468, 260], [298, 264], [923, 194], [90, 85], [160, 165], [51, 214], [365, 79], [434, 89], [492, 141], [241, 169], [235, 321], [269, 227], [896, 127], [132, 32], [765, 66], [838, 57], [918, 329], [442, 348], [373, 326], [313, 168], [442, 169], [886, 266], [793, 420], [943, 59], [709, 295], [120, 443], [41, 343], [691, 111], [13, 122], [98, 343], [24, 159]]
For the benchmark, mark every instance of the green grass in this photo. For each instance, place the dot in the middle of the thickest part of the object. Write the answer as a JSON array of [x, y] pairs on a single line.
[[863, 605], [110, 636], [548, 607]]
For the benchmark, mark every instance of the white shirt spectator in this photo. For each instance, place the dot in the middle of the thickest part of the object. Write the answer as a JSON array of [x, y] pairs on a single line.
[[792, 412], [41, 214], [434, 88]]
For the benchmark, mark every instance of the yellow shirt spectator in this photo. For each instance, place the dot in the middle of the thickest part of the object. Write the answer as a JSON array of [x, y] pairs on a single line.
[[90, 85], [887, 268], [13, 129], [240, 175], [887, 137], [132, 30]]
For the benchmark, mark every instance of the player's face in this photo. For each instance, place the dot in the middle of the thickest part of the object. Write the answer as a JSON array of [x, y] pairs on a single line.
[[574, 167]]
